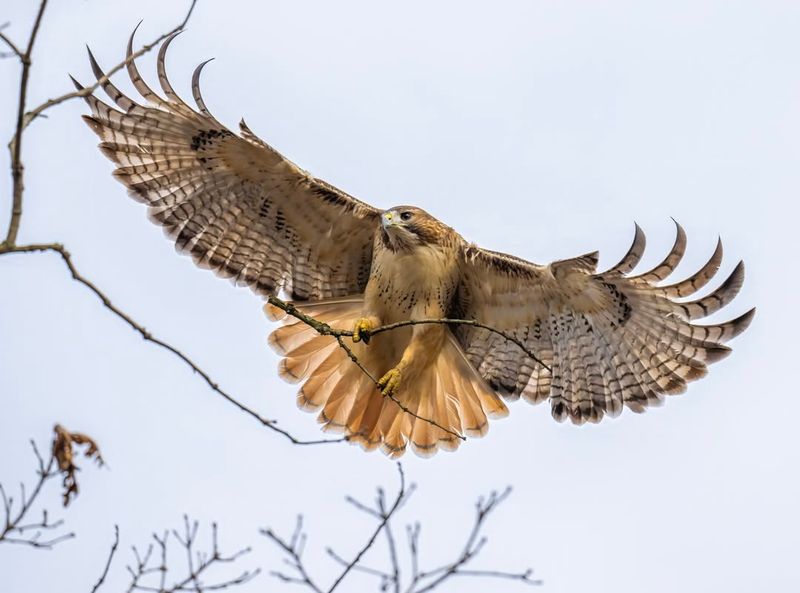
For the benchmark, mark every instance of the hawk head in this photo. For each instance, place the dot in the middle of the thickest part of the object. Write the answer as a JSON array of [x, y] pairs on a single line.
[[405, 227]]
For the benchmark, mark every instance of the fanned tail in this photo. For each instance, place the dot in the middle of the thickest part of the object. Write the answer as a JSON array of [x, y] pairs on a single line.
[[449, 398]]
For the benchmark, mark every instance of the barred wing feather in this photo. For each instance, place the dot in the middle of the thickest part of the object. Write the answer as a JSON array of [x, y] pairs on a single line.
[[609, 339], [232, 201]]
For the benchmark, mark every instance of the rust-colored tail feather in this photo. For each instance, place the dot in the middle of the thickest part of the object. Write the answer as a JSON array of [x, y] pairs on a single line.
[[449, 392]]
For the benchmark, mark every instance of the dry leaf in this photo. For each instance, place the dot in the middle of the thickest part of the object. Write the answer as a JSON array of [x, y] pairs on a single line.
[[64, 445]]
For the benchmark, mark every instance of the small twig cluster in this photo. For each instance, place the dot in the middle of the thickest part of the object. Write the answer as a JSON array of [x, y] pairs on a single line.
[[427, 580], [16, 527], [150, 571], [390, 579]]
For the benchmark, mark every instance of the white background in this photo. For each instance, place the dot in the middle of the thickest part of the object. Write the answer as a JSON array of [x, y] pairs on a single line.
[[543, 129]]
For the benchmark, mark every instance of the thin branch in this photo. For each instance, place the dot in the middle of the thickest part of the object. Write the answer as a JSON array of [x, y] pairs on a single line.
[[147, 336], [525, 576], [471, 322], [363, 508], [401, 495], [37, 112], [15, 146], [385, 577], [15, 51], [25, 118], [109, 560], [326, 330], [13, 530], [474, 544], [293, 549], [412, 531], [395, 578]]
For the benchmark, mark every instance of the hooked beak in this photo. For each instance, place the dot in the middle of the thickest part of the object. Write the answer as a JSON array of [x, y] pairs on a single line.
[[389, 219]]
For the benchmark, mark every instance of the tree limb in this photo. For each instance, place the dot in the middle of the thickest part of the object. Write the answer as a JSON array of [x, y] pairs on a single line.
[[109, 560], [294, 550], [474, 544], [399, 499], [147, 336], [15, 146], [37, 111], [15, 51], [326, 330]]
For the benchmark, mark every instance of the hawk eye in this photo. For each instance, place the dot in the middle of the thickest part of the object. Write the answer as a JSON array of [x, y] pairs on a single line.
[[405, 216]]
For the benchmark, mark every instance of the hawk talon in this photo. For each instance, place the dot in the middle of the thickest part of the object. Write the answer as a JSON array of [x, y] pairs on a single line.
[[390, 382], [361, 330]]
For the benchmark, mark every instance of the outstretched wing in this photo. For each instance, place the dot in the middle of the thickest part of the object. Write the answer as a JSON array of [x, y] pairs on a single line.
[[231, 201], [609, 339]]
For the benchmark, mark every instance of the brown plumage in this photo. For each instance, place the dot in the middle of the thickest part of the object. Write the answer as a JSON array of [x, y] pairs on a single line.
[[609, 340]]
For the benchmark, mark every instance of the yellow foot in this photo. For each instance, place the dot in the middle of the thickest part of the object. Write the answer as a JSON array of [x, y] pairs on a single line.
[[361, 330], [390, 382]]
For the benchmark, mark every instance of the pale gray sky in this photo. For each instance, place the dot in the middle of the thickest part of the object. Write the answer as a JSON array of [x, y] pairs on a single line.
[[543, 129]]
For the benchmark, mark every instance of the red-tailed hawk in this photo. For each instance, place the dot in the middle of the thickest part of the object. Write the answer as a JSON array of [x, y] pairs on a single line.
[[237, 206]]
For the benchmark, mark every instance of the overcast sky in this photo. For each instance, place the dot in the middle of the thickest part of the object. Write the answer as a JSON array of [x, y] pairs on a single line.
[[543, 129]]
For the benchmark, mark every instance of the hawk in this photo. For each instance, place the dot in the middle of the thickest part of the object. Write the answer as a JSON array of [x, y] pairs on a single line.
[[602, 341]]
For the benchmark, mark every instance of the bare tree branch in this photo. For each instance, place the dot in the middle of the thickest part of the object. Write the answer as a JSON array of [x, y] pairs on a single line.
[[471, 322], [15, 528], [15, 51], [385, 577], [15, 146], [324, 329], [25, 118], [402, 494], [37, 111], [151, 575], [109, 560], [474, 544], [147, 336], [395, 577], [294, 550]]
